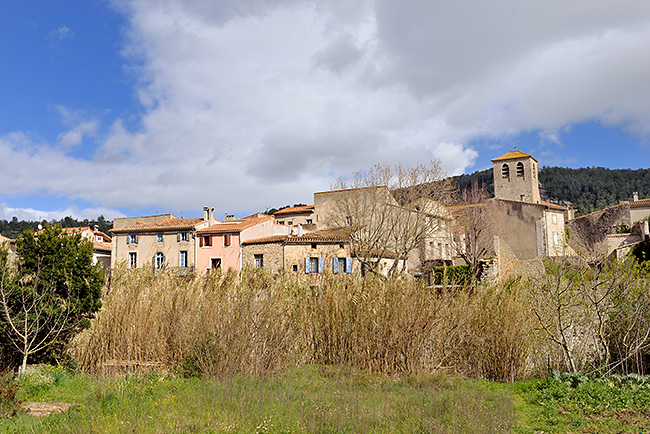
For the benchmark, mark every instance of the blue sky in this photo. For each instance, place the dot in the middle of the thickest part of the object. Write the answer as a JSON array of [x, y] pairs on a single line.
[[128, 107]]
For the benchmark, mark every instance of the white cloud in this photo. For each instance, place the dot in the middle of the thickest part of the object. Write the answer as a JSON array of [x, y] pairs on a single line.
[[62, 32], [249, 104], [73, 137], [29, 214]]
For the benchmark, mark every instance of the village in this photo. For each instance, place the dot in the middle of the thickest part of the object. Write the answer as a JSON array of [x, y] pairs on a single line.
[[504, 235]]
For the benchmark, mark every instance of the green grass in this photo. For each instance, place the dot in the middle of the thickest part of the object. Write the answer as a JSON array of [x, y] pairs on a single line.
[[324, 399], [305, 400]]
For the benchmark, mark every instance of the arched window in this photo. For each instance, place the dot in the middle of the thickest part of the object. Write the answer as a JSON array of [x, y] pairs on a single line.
[[160, 260], [505, 171], [520, 170]]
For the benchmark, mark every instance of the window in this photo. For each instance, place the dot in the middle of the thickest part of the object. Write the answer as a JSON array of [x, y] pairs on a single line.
[[313, 265], [99, 238], [259, 261], [133, 259], [183, 236], [290, 222], [205, 241], [505, 171], [309, 221], [520, 170], [342, 265], [556, 240], [554, 218], [132, 239], [348, 221], [295, 267], [313, 245], [215, 263], [159, 238], [226, 240], [182, 260], [281, 222], [159, 260]]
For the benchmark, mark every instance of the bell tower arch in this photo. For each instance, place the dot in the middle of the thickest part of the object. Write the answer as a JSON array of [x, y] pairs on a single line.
[[515, 177]]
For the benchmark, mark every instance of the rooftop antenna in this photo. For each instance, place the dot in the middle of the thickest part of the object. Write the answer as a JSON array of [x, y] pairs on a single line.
[[181, 213]]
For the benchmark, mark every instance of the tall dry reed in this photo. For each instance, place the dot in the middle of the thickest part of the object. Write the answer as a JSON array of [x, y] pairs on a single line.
[[258, 323]]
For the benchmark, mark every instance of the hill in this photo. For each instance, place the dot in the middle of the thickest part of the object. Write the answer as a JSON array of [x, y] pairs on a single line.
[[586, 189]]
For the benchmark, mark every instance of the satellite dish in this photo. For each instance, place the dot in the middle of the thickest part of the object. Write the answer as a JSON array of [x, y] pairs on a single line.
[[40, 227]]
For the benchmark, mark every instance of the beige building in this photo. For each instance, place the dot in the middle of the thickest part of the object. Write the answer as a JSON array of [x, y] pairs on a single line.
[[526, 226], [102, 244], [159, 241], [297, 215], [421, 230]]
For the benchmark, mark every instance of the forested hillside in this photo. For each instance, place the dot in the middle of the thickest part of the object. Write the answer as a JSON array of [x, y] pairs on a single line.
[[586, 189], [14, 227]]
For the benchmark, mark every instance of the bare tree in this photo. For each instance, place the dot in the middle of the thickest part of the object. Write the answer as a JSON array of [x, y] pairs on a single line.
[[475, 225], [394, 209], [34, 314], [51, 292]]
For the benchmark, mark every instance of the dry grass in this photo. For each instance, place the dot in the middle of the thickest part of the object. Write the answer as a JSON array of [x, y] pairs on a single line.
[[223, 325]]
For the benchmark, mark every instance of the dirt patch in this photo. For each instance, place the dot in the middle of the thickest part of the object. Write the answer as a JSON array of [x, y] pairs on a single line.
[[40, 409]]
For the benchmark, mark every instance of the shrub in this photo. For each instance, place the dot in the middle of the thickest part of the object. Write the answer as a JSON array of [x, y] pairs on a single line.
[[9, 402], [455, 274]]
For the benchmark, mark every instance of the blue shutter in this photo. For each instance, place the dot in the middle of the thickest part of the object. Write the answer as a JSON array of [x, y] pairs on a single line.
[[335, 265], [348, 265], [306, 265], [320, 265]]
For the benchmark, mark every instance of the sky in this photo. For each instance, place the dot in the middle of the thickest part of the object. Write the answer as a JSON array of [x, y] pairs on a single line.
[[136, 107]]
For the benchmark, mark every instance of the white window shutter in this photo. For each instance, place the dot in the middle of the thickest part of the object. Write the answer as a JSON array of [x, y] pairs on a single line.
[[320, 265], [306, 265], [335, 265], [348, 265]]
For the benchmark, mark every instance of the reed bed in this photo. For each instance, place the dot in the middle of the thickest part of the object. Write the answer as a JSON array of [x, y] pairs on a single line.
[[259, 323]]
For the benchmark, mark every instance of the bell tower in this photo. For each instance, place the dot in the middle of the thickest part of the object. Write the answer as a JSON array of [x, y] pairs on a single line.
[[515, 177]]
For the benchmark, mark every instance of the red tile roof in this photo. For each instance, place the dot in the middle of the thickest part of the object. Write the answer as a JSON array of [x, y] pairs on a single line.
[[234, 225], [337, 235], [512, 155], [296, 210], [161, 225]]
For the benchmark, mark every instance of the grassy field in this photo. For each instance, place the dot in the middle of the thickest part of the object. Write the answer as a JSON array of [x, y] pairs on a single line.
[[316, 399]]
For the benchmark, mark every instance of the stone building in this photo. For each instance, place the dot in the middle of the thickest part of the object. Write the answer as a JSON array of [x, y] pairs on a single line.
[[516, 219], [610, 231], [314, 253]]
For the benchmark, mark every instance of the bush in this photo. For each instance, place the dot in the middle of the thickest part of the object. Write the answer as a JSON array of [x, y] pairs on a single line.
[[9, 402], [453, 275]]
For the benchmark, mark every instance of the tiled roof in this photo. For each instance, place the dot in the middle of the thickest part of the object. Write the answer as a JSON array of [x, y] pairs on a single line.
[[323, 235], [267, 240], [102, 246], [233, 225], [161, 225], [295, 210], [640, 203], [512, 155]]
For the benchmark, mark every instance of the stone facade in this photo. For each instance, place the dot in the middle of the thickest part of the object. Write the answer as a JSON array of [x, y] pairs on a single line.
[[515, 177]]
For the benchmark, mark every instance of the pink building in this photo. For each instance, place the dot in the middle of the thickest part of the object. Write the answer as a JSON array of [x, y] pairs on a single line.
[[219, 246]]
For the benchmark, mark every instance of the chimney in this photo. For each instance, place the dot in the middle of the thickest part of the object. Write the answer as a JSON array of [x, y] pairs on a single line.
[[299, 230], [635, 196], [208, 214], [230, 217]]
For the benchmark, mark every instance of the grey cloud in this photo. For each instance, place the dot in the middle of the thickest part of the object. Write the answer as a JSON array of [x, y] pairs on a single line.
[[341, 54]]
